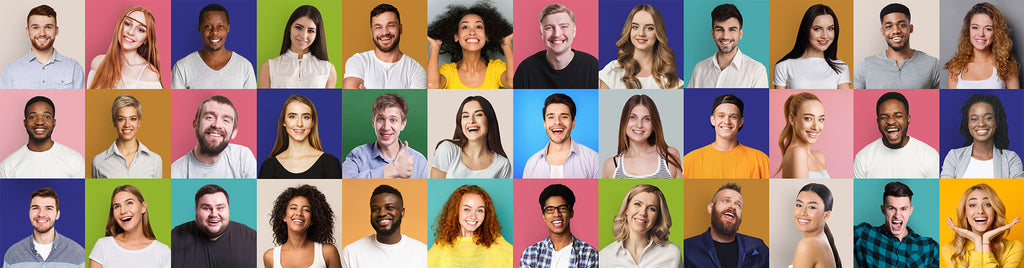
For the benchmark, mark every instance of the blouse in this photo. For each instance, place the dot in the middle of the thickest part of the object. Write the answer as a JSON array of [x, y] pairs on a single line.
[[612, 75], [289, 71], [326, 167]]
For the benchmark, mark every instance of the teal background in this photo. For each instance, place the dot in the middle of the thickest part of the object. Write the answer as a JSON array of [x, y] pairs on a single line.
[[241, 195], [500, 190], [697, 33], [273, 14], [358, 122], [97, 207], [612, 191], [868, 197]]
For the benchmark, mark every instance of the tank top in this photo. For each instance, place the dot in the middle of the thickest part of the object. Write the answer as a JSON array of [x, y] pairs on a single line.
[[992, 82], [823, 174], [318, 256], [662, 173]]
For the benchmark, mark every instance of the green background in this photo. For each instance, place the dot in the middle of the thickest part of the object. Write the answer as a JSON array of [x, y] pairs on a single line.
[[97, 207], [613, 190], [273, 14], [241, 195], [358, 123], [699, 43]]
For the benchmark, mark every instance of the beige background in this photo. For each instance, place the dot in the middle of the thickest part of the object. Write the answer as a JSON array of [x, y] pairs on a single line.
[[70, 41], [784, 233], [868, 40], [444, 105], [268, 190]]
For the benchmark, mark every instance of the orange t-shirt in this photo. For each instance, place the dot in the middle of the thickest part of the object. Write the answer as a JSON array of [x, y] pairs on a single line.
[[740, 162]]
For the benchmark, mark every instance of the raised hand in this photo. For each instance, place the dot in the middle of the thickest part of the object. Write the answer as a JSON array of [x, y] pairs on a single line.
[[974, 237], [404, 164], [506, 42], [434, 43], [996, 231]]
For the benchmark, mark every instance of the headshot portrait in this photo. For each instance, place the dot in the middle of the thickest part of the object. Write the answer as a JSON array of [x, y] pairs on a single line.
[[298, 219], [397, 229], [1001, 67], [726, 242], [386, 134], [641, 217], [373, 64], [883, 143], [983, 212], [649, 120], [301, 61], [916, 66], [619, 44], [207, 141], [44, 153], [215, 231], [26, 71], [466, 219], [895, 223], [127, 222], [49, 224], [477, 125], [137, 150], [563, 55], [812, 127], [486, 62], [130, 58], [202, 58], [809, 220], [565, 217], [301, 147], [568, 144], [721, 152], [718, 61], [818, 58], [983, 148]]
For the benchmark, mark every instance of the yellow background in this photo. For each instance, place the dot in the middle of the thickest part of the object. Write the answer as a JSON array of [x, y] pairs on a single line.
[[355, 212], [952, 189], [785, 19], [154, 132]]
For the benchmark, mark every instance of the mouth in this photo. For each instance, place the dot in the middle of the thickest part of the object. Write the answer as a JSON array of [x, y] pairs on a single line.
[[213, 222], [813, 134], [471, 223], [128, 39], [384, 222], [803, 221], [824, 43], [298, 221], [896, 39], [42, 220], [472, 40], [557, 223], [640, 221], [213, 134], [729, 216], [39, 130], [641, 40], [725, 42], [126, 219], [299, 131], [558, 41], [216, 41], [386, 135], [638, 131], [981, 220], [897, 225], [472, 129], [981, 41], [385, 38], [558, 130], [893, 133], [981, 132]]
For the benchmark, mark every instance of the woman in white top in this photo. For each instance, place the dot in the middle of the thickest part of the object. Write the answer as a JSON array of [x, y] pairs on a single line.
[[805, 120], [132, 60], [641, 229], [475, 150], [135, 158], [642, 150], [817, 248], [303, 225], [645, 60], [129, 240], [986, 151], [812, 64], [303, 62], [984, 56]]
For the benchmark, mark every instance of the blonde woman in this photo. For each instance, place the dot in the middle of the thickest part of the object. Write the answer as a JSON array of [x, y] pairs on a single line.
[[981, 219], [644, 59], [127, 157], [641, 229]]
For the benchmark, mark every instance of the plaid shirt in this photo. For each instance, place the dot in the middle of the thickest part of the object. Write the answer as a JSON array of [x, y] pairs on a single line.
[[538, 255], [877, 247]]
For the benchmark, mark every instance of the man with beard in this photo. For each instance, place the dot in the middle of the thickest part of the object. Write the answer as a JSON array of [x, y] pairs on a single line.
[[894, 244], [899, 66], [728, 67], [384, 67], [721, 245], [388, 248], [42, 157], [215, 156], [895, 154], [562, 157], [560, 249], [386, 157], [45, 247], [215, 66], [726, 157], [558, 66], [212, 240], [42, 67]]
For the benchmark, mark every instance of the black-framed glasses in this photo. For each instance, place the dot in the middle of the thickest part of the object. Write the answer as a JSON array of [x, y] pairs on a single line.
[[552, 209]]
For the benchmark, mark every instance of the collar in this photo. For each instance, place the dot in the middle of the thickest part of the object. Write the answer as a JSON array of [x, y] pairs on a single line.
[[292, 55], [30, 57], [375, 152], [574, 148], [885, 230], [113, 151], [622, 249], [736, 60], [576, 243]]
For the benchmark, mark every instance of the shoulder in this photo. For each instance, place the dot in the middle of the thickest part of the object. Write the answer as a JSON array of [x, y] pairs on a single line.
[[673, 150], [496, 63], [268, 256], [924, 57], [239, 149], [923, 147], [447, 68], [585, 57], [447, 146], [809, 247], [96, 61], [329, 248], [362, 150], [611, 65], [159, 246], [869, 149], [534, 59]]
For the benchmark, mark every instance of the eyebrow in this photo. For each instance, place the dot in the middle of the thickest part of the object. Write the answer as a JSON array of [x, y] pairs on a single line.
[[141, 24], [474, 111]]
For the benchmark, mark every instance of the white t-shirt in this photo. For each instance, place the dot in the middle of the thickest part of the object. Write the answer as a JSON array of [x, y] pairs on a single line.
[[448, 158], [236, 161], [915, 160], [560, 258], [57, 162], [810, 73], [742, 72], [43, 249], [376, 74], [192, 72], [110, 255], [367, 252], [557, 172], [612, 75], [979, 169]]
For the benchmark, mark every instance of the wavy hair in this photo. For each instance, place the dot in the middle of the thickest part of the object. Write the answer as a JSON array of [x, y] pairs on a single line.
[[319, 46], [493, 135], [959, 243], [113, 228], [1001, 137], [659, 233], [108, 74], [447, 228], [321, 228], [804, 32], [826, 196], [446, 25], [664, 65], [1001, 47], [281, 143], [788, 135], [657, 137]]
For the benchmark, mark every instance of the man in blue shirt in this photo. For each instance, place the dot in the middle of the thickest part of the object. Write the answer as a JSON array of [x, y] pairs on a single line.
[[560, 249], [722, 245], [387, 157], [43, 67], [562, 157], [45, 247], [893, 244]]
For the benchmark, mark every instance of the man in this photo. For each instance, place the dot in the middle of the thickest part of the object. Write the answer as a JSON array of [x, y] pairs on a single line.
[[726, 157], [388, 248], [728, 67], [893, 244], [387, 157], [212, 240], [384, 67], [214, 67], [560, 249], [559, 66], [42, 67], [899, 66], [895, 154], [215, 156], [42, 157], [45, 247], [721, 245], [562, 157]]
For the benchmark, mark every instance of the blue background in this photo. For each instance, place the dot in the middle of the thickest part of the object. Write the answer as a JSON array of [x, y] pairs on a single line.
[[241, 195], [613, 16], [949, 129], [530, 136], [923, 221], [185, 33], [268, 109], [15, 199], [499, 190], [697, 115], [700, 44]]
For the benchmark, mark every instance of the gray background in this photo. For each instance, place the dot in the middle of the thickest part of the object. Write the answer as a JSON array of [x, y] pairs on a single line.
[[953, 12], [670, 108]]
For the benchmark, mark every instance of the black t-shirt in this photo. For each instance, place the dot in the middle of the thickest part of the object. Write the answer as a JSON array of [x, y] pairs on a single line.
[[235, 248], [728, 253], [536, 72], [325, 167]]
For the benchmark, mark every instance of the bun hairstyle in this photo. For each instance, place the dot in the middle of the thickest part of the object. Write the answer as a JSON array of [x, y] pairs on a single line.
[[826, 196]]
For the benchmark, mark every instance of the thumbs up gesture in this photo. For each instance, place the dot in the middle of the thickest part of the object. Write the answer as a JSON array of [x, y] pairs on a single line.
[[403, 165]]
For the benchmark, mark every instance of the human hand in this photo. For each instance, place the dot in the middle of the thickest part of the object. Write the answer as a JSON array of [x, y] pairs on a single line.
[[965, 233], [506, 42], [996, 231], [404, 164], [434, 43]]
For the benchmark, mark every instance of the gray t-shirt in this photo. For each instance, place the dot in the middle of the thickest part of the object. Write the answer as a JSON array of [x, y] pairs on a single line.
[[236, 161], [920, 71], [192, 72]]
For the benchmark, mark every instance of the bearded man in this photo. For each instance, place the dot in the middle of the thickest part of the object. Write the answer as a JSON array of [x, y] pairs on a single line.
[[42, 67], [214, 156], [721, 245]]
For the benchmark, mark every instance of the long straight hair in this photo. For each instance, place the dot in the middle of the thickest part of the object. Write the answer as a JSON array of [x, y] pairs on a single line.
[[789, 109], [108, 74], [826, 196], [657, 137], [113, 228], [663, 69], [319, 46], [281, 143], [804, 32], [493, 135]]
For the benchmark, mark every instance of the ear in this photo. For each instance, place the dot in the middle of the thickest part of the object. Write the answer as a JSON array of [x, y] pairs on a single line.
[[741, 34], [227, 28], [739, 124], [827, 215], [195, 124], [402, 126], [911, 30], [144, 207], [882, 208], [57, 217], [234, 132], [456, 38], [711, 119], [911, 211], [710, 206]]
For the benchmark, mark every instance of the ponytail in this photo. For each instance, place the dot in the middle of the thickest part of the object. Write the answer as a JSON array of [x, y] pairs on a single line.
[[789, 108], [832, 243]]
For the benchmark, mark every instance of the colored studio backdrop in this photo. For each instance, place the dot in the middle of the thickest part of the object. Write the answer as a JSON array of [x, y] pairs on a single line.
[[444, 105], [953, 12], [154, 132], [355, 218], [529, 221], [834, 139], [69, 39], [185, 104], [613, 21], [531, 134], [924, 117], [698, 194], [17, 225], [953, 100], [612, 102], [784, 233], [700, 44], [356, 20], [240, 39], [437, 7], [103, 21], [530, 39], [358, 123], [267, 192], [440, 190], [951, 192], [613, 192], [269, 105], [868, 199], [98, 204], [869, 40], [241, 195], [698, 111], [270, 27], [785, 19], [68, 118]]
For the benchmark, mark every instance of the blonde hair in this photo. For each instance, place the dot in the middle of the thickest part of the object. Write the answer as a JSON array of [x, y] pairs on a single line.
[[663, 69], [788, 109], [125, 100], [960, 255], [108, 74], [658, 234]]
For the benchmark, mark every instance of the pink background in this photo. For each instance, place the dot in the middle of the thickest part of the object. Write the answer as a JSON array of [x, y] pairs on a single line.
[[835, 138], [526, 20], [924, 116], [69, 113], [529, 221], [103, 16], [184, 103]]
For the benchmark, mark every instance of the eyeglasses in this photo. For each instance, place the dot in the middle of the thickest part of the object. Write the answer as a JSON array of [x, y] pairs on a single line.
[[552, 209]]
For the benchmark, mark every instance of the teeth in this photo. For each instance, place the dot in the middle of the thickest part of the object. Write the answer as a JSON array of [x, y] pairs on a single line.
[[558, 41], [298, 221], [802, 221], [556, 222], [729, 214], [126, 218], [472, 40]]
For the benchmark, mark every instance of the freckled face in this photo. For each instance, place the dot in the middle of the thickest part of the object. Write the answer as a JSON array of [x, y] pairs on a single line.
[[471, 213], [134, 31]]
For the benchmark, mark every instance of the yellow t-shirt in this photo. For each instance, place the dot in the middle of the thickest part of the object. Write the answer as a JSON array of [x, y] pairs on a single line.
[[1011, 256], [740, 162], [492, 78], [465, 253]]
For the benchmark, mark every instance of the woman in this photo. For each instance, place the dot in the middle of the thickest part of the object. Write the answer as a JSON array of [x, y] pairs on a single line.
[[303, 62], [645, 60], [468, 232], [129, 240], [805, 120], [297, 152], [641, 230], [303, 224], [127, 157], [981, 202], [642, 149], [984, 54], [812, 64], [132, 60], [817, 248], [475, 150], [472, 36], [986, 141]]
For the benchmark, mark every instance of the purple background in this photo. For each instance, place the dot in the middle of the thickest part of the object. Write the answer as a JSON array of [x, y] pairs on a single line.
[[328, 108], [185, 37], [613, 16]]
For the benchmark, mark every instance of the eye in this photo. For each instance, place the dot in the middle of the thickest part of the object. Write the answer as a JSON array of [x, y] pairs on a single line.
[[799, 205], [635, 27], [650, 28], [812, 207], [972, 205], [464, 27], [306, 117], [465, 210], [480, 210], [291, 116]]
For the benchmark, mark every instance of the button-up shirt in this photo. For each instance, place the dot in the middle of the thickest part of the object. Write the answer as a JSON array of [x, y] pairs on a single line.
[[742, 72], [367, 162], [112, 164], [582, 163], [653, 256], [28, 72], [539, 254], [875, 246]]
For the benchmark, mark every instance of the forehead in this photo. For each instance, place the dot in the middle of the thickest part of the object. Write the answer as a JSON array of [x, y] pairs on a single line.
[[640, 109], [731, 22], [137, 16], [977, 194], [892, 106], [213, 198], [556, 18], [43, 200], [471, 18], [127, 111], [643, 17], [298, 108], [385, 198], [982, 107], [471, 106], [40, 107], [823, 20], [897, 201], [123, 195], [298, 200], [894, 17], [393, 110], [809, 196], [812, 106], [646, 197], [214, 16], [217, 108], [305, 21], [555, 200], [728, 108], [384, 17], [41, 19], [557, 108], [981, 19], [472, 199], [729, 193]]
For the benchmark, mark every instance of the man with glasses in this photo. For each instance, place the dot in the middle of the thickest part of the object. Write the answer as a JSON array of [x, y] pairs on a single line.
[[560, 249]]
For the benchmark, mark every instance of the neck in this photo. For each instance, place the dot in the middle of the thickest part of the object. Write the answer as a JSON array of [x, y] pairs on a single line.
[[390, 151], [132, 57], [475, 148], [983, 54], [393, 56], [820, 233], [44, 238], [43, 55], [901, 55], [562, 147], [725, 144], [471, 58], [204, 158], [390, 239], [721, 238], [900, 236], [296, 239], [724, 59], [559, 61], [296, 147], [465, 233], [207, 53], [39, 146], [982, 150], [813, 53], [127, 146], [561, 240], [636, 241], [638, 148], [134, 235]]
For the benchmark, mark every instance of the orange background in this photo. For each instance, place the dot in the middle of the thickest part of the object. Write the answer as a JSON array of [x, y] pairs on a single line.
[[355, 212], [698, 193], [951, 190], [356, 21], [154, 132], [785, 19]]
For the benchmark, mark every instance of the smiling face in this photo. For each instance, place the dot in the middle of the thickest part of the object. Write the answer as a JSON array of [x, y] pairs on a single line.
[[982, 122], [558, 122], [471, 35], [822, 33], [642, 213], [39, 121], [213, 214], [727, 34], [560, 215], [303, 33], [134, 31], [386, 31], [388, 124], [298, 120], [896, 30], [386, 213], [727, 212], [128, 210], [981, 30], [897, 213], [639, 126], [43, 213], [215, 127], [41, 31], [127, 122], [809, 212], [557, 30], [471, 214], [809, 121], [214, 30], [979, 211], [893, 122], [298, 215], [473, 121], [727, 121], [642, 32]]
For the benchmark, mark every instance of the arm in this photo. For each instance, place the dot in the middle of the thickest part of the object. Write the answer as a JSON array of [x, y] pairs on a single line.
[[676, 172], [177, 77], [354, 164], [609, 168], [506, 47], [353, 78], [858, 76], [949, 165], [263, 80], [1013, 83], [437, 173], [331, 256], [1015, 168], [94, 264], [603, 85], [434, 78], [332, 80], [352, 83], [794, 164], [268, 258], [79, 77], [844, 86]]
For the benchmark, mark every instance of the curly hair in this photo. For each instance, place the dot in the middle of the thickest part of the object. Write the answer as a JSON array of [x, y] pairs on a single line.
[[321, 229], [1001, 47], [664, 65], [998, 242], [1001, 137], [660, 231], [448, 228], [446, 25], [108, 74], [803, 36]]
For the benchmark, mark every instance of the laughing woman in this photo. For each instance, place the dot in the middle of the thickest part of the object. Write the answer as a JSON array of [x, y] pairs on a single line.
[[303, 61], [129, 240], [475, 150], [981, 220], [303, 225], [472, 36], [641, 229], [468, 233]]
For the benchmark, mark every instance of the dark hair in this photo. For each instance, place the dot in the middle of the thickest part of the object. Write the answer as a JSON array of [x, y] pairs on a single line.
[[897, 189], [42, 10], [386, 189], [728, 99], [493, 135], [211, 189], [319, 46], [724, 12], [560, 98], [894, 8], [727, 186], [214, 7], [388, 100], [218, 99], [48, 193], [802, 36], [377, 10], [1001, 136], [657, 137], [36, 99], [892, 96], [446, 25], [557, 190], [321, 229], [826, 196]]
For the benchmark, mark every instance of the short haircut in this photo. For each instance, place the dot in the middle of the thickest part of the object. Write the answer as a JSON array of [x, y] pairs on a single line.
[[48, 193], [388, 100], [218, 99], [555, 9], [724, 12], [897, 189], [893, 8], [728, 99], [214, 7], [892, 96], [125, 100], [36, 99], [559, 98], [211, 189], [42, 10], [557, 190], [377, 10], [727, 186], [386, 189]]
